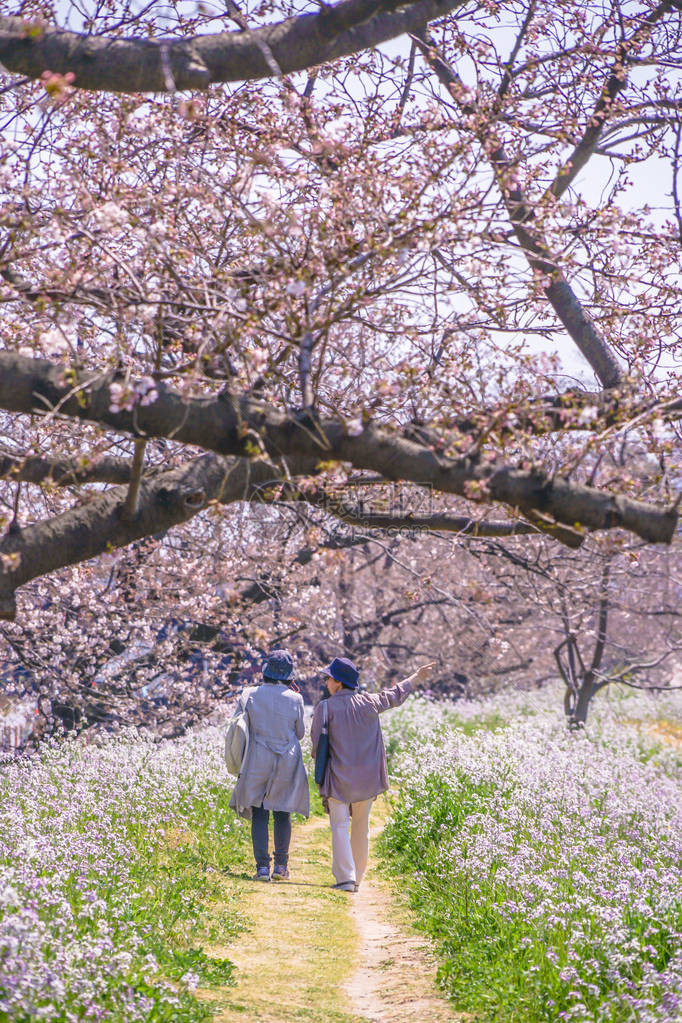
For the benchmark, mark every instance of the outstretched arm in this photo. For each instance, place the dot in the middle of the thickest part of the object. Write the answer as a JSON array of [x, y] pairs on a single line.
[[421, 674], [393, 696]]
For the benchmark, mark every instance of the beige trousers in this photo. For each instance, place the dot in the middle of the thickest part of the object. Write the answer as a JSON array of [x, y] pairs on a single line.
[[350, 852]]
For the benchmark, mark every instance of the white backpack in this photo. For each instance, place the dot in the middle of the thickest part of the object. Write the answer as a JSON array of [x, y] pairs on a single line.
[[237, 735]]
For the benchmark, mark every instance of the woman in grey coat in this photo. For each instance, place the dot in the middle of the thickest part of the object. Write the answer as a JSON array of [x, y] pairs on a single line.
[[273, 776]]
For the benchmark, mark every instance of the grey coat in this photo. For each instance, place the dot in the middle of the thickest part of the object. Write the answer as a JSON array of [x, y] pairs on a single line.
[[273, 774]]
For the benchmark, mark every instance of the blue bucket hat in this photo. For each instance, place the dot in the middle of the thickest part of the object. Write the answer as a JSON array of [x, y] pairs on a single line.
[[279, 665], [344, 671]]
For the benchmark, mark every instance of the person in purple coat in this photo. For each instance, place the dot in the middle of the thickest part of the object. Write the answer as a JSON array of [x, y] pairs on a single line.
[[356, 771]]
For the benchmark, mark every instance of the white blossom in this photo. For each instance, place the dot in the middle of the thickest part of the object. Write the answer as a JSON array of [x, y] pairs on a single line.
[[109, 217], [338, 129], [53, 342]]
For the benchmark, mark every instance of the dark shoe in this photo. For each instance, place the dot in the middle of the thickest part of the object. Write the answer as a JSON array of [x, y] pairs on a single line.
[[280, 873], [345, 886], [262, 874]]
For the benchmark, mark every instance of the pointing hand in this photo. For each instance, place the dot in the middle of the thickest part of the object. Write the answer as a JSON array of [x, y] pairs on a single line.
[[421, 674]]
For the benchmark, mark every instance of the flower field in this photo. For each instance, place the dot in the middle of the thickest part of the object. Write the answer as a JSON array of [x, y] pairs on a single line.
[[546, 864], [101, 905]]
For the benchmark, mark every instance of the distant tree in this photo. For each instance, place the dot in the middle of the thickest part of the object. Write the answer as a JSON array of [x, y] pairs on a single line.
[[158, 635], [596, 616]]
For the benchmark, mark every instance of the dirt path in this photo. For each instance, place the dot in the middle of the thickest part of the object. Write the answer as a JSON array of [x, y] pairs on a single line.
[[319, 956], [393, 981]]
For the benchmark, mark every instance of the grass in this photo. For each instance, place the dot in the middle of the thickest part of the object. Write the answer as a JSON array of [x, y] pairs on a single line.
[[110, 866], [203, 898], [181, 904], [533, 898], [124, 880], [299, 947]]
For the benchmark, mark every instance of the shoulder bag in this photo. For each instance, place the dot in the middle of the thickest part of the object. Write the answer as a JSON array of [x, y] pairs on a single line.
[[322, 751], [237, 735]]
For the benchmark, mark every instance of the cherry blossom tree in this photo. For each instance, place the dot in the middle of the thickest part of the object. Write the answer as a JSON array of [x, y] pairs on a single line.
[[291, 263], [598, 617]]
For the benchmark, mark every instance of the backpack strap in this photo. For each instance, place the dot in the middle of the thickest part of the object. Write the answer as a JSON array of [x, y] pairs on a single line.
[[244, 696]]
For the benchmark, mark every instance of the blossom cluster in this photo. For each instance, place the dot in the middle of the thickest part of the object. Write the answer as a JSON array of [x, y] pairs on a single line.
[[546, 862], [75, 822], [124, 396]]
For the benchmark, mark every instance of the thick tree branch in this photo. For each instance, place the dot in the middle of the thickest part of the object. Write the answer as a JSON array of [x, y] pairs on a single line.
[[438, 522], [603, 620], [137, 468], [64, 472], [88, 530], [158, 65], [235, 424]]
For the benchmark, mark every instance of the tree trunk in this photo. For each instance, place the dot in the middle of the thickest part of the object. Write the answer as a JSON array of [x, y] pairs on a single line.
[[585, 694]]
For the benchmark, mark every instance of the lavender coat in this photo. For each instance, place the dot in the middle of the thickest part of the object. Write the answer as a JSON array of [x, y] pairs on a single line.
[[357, 759], [273, 774]]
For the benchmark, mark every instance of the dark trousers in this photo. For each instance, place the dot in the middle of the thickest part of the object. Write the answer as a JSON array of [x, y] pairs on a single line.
[[259, 836]]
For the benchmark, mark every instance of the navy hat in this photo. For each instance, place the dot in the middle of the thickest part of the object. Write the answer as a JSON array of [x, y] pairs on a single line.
[[344, 671], [279, 665]]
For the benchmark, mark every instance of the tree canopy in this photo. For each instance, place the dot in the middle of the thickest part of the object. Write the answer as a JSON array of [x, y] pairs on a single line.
[[448, 262]]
